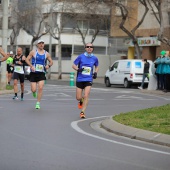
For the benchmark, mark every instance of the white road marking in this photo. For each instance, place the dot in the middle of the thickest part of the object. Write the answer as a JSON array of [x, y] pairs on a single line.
[[131, 97], [58, 95], [75, 126]]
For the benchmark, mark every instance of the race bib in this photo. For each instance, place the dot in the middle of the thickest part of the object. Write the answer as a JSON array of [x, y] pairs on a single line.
[[39, 67], [18, 68], [86, 71]]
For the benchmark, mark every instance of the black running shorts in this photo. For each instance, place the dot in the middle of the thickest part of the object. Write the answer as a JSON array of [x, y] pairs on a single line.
[[10, 69], [36, 77], [83, 84], [19, 76]]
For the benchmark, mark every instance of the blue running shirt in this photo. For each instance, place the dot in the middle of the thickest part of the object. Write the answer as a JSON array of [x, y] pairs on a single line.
[[39, 62], [86, 62]]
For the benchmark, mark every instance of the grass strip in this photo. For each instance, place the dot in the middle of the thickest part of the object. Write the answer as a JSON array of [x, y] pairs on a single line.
[[156, 119], [9, 87]]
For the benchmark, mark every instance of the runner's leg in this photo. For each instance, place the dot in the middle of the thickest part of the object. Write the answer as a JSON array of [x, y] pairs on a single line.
[[86, 97], [40, 90], [15, 86], [79, 93]]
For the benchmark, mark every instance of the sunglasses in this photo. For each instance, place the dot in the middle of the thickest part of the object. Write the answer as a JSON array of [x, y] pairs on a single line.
[[89, 47], [41, 43]]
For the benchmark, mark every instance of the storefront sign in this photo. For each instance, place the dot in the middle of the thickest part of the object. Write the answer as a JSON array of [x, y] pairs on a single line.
[[144, 41]]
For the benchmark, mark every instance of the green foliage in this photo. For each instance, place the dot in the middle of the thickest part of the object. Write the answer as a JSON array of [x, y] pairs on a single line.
[[155, 119], [9, 87]]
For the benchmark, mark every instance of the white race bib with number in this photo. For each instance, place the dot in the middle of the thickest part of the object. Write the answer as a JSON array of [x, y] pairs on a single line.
[[19, 69], [39, 67], [86, 71]]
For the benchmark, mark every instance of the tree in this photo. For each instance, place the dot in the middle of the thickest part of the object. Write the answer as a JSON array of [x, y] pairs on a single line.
[[67, 12], [125, 11], [32, 21], [158, 13], [95, 15]]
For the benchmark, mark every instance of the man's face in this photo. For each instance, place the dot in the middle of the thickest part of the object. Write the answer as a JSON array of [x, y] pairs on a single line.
[[40, 45], [89, 48], [19, 51]]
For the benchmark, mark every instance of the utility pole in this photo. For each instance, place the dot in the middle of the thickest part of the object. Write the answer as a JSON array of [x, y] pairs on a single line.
[[4, 43]]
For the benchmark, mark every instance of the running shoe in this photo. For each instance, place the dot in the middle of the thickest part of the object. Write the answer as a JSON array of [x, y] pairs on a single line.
[[15, 98], [82, 115], [37, 106], [140, 88], [80, 104], [34, 94]]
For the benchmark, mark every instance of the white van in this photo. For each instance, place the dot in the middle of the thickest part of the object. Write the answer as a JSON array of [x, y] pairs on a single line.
[[126, 72]]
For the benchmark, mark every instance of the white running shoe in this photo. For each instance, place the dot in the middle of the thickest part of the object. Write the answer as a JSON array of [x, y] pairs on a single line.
[[140, 88]]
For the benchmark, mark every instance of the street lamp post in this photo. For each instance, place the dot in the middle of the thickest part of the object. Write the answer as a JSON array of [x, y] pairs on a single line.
[[4, 43]]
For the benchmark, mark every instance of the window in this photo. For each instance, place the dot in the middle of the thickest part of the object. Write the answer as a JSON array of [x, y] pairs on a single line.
[[115, 65], [66, 51], [83, 24]]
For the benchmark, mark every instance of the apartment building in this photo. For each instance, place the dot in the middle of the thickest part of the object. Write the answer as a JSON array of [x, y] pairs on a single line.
[[147, 32]]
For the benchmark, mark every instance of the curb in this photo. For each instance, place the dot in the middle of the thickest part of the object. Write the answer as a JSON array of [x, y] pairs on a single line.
[[134, 133]]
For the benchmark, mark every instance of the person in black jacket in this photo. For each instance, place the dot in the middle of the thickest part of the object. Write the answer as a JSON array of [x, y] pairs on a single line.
[[145, 73]]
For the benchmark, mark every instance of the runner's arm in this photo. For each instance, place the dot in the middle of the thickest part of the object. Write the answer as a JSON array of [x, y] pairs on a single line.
[[50, 61], [27, 60], [96, 69], [75, 67], [5, 56]]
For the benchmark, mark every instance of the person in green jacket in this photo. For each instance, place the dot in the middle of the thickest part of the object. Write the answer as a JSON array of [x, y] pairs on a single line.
[[10, 67]]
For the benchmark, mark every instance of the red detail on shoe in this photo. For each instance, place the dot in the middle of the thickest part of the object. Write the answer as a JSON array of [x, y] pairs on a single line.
[[80, 105], [82, 115]]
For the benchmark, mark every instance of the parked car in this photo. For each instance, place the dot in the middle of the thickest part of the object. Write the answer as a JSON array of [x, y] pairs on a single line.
[[27, 71], [126, 72]]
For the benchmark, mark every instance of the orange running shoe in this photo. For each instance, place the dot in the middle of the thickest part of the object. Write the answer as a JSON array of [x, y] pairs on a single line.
[[82, 115], [80, 104]]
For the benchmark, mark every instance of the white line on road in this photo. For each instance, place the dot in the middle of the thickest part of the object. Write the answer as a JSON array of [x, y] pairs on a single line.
[[75, 126]]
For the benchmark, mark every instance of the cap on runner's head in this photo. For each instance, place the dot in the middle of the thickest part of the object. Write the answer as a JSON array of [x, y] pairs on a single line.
[[163, 52], [39, 41], [11, 52]]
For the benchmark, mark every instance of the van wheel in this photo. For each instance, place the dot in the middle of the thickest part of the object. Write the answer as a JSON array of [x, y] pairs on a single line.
[[107, 82], [127, 84]]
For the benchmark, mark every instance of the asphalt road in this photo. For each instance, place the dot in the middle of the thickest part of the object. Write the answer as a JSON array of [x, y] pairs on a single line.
[[54, 138]]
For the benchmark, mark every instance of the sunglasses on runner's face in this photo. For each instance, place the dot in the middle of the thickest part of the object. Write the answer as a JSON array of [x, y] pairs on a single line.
[[89, 47], [41, 43]]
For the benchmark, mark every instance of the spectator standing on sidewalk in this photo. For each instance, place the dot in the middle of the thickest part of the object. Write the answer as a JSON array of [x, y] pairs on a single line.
[[38, 67], [10, 66], [158, 66], [145, 73], [86, 65], [166, 71]]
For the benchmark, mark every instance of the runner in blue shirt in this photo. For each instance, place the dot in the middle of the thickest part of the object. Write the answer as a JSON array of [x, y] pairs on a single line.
[[38, 66], [86, 65]]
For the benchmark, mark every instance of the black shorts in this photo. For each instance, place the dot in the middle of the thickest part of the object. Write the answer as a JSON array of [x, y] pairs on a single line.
[[36, 77], [83, 84], [19, 76], [10, 69]]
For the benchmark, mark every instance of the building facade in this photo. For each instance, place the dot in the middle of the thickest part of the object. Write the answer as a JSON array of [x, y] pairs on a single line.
[[146, 33], [106, 49]]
